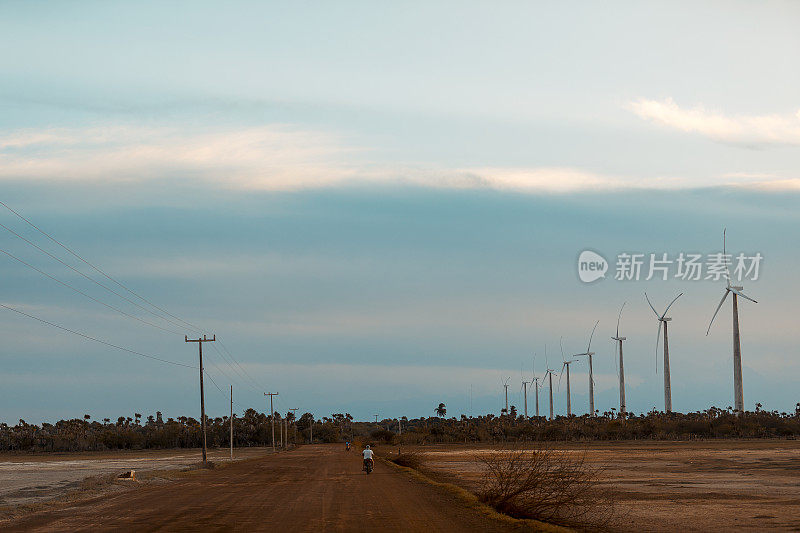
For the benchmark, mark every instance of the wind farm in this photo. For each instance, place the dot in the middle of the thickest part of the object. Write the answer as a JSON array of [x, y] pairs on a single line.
[[302, 267]]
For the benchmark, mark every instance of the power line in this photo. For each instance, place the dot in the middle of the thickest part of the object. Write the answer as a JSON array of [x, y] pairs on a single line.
[[65, 284], [82, 274], [258, 386], [85, 336], [96, 268], [233, 363]]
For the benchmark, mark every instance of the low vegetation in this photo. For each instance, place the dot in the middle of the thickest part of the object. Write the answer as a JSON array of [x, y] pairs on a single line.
[[409, 459], [554, 486], [253, 429]]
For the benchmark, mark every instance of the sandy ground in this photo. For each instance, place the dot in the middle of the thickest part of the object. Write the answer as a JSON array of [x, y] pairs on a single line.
[[681, 486], [313, 488], [31, 478]]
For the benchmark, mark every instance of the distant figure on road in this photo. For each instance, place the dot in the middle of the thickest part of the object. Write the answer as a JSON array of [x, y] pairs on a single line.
[[347, 446], [368, 461]]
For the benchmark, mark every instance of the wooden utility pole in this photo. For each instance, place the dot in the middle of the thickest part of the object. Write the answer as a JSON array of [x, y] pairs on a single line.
[[376, 419], [202, 398], [272, 416], [231, 422]]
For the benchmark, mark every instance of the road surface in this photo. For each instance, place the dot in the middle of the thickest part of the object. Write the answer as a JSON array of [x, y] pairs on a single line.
[[314, 488]]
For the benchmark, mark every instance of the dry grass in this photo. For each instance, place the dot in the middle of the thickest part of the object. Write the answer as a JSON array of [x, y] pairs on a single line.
[[554, 486], [471, 501], [408, 459]]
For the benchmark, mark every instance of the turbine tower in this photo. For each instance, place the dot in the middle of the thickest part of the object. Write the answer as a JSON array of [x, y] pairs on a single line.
[[589, 353], [663, 320], [549, 374], [505, 386], [535, 383], [738, 392], [619, 340], [564, 365], [525, 395]]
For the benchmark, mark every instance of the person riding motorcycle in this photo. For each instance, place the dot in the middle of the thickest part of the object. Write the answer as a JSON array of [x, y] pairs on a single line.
[[369, 462]]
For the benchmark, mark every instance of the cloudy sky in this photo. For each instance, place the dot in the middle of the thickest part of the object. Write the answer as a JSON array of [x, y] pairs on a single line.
[[380, 206]]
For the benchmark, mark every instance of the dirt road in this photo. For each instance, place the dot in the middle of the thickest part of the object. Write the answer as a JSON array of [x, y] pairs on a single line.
[[315, 488]]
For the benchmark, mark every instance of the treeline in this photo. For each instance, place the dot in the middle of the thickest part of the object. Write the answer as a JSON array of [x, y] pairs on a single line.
[[251, 429], [255, 429], [713, 423]]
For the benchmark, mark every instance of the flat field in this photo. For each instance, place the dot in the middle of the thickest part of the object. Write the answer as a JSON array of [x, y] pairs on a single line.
[[720, 485], [33, 478]]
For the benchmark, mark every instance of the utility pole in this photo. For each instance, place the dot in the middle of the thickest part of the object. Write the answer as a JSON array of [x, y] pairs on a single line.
[[294, 421], [376, 419], [311, 439], [272, 416], [231, 422], [202, 398], [400, 425]]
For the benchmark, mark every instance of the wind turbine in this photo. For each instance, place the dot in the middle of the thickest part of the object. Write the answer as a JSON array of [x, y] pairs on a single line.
[[535, 383], [589, 353], [565, 364], [505, 386], [619, 340], [525, 394], [663, 320], [737, 346], [549, 374]]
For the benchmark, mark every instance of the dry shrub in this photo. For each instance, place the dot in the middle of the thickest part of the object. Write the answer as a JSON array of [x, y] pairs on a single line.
[[408, 459], [554, 486]]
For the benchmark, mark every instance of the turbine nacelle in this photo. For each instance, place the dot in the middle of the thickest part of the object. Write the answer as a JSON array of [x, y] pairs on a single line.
[[737, 290]]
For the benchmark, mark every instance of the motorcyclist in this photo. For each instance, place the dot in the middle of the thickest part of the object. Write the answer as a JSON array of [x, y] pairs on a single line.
[[368, 460], [347, 446]]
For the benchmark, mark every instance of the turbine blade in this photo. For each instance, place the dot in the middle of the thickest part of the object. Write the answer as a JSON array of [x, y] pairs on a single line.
[[740, 293], [560, 343], [589, 348], [651, 305], [619, 317], [670, 305], [717, 310], [724, 257]]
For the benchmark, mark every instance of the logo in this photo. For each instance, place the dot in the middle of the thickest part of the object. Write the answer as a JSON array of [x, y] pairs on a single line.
[[591, 266]]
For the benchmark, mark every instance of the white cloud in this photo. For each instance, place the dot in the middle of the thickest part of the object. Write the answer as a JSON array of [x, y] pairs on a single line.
[[279, 157], [273, 157], [747, 130]]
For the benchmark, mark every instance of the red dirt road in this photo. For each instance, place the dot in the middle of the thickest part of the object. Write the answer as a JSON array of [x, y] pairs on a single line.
[[314, 488]]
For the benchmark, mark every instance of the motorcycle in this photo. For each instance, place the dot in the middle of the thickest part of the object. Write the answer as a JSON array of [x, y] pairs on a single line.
[[369, 464]]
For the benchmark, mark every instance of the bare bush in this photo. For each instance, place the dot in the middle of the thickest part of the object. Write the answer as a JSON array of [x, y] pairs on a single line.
[[554, 486]]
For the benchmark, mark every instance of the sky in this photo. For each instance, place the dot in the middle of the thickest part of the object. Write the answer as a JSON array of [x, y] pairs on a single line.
[[377, 207]]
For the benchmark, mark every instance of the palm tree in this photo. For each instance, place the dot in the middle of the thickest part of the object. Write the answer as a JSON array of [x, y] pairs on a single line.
[[441, 410]]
